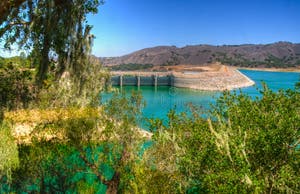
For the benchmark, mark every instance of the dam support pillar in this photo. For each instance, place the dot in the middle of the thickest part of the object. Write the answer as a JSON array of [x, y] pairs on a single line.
[[155, 80], [171, 80], [138, 79], [121, 80]]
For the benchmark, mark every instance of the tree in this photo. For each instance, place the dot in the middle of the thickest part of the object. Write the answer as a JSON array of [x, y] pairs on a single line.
[[248, 146], [51, 29]]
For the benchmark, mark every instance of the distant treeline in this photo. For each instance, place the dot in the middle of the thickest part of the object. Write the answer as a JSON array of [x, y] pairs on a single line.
[[131, 67], [269, 62], [16, 61]]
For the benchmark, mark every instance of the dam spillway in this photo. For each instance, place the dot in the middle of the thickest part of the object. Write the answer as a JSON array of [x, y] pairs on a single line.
[[212, 80]]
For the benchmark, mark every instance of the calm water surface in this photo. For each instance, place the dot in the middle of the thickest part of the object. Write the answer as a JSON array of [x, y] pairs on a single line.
[[159, 101]]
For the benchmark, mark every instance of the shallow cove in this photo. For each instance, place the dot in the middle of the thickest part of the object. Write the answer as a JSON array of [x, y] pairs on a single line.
[[160, 100]]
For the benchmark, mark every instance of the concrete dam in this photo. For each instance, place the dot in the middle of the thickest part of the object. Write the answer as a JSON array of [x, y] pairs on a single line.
[[141, 79], [220, 80]]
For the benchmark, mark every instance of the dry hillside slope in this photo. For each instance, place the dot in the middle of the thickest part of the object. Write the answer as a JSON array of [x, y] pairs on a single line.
[[280, 55]]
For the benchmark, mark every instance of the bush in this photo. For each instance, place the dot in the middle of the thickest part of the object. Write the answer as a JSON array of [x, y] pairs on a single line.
[[247, 146], [16, 87]]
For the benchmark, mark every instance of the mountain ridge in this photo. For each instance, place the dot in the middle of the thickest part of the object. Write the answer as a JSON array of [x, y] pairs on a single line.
[[280, 54]]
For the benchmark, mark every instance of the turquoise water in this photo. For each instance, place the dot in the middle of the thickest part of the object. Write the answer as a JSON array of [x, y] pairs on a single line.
[[160, 100], [274, 80]]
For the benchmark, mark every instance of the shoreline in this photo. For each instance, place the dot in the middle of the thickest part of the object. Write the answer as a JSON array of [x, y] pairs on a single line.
[[272, 69]]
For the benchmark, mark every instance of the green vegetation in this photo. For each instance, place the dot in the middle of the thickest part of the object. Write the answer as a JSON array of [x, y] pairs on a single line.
[[78, 149], [19, 61], [55, 138], [16, 86], [9, 159], [131, 67], [248, 146], [269, 62], [50, 30]]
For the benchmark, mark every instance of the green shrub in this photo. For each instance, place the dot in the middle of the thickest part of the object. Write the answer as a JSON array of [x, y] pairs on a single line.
[[16, 87], [247, 146]]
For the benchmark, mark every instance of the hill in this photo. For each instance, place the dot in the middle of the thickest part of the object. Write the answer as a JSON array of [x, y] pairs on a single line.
[[279, 55]]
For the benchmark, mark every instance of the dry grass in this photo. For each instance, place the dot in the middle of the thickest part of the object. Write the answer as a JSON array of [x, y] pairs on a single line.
[[31, 116], [211, 67], [48, 123], [25, 124]]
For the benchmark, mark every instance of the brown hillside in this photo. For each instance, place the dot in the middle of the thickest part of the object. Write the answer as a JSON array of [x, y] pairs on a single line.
[[281, 54]]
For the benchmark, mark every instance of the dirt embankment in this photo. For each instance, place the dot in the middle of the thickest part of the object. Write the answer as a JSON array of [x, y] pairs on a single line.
[[215, 78]]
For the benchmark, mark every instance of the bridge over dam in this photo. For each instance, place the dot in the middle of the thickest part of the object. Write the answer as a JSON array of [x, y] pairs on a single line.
[[222, 79]]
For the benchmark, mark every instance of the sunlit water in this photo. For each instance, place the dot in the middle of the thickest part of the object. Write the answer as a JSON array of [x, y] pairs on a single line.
[[160, 100]]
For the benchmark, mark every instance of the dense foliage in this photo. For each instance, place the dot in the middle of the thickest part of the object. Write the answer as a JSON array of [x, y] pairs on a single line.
[[16, 87], [248, 146], [50, 30], [19, 61], [78, 149]]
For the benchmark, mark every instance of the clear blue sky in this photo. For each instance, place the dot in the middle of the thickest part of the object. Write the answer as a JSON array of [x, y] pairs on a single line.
[[124, 26]]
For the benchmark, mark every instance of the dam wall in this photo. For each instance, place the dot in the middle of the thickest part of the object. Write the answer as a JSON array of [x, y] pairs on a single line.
[[213, 81], [141, 80]]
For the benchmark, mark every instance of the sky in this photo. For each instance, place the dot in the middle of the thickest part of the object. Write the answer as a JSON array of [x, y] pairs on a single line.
[[124, 26]]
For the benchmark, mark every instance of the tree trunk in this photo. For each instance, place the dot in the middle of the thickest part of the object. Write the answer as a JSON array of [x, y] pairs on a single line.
[[44, 63], [42, 185], [113, 184]]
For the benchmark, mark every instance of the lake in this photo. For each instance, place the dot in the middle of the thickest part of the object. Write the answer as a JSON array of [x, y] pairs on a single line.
[[160, 100]]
